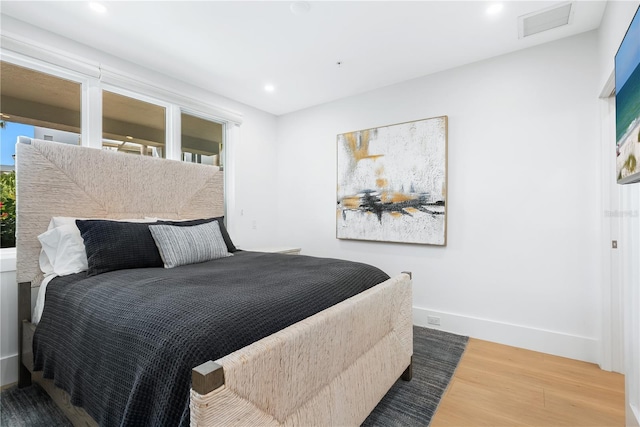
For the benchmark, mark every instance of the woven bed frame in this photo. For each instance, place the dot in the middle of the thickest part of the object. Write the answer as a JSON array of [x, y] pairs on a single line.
[[329, 369]]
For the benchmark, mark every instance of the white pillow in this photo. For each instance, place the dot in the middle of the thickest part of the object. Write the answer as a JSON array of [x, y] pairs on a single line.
[[45, 264], [64, 248]]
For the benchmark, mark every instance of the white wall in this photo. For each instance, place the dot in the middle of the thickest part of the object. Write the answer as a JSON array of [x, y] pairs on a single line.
[[521, 265], [624, 224]]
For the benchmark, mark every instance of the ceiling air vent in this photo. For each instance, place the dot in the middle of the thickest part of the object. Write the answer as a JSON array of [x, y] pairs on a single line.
[[545, 19]]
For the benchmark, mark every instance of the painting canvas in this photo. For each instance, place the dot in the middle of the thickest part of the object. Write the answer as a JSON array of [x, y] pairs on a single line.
[[392, 183]]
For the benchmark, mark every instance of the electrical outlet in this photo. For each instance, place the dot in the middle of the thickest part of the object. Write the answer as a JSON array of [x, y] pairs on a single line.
[[614, 244], [433, 320], [254, 224]]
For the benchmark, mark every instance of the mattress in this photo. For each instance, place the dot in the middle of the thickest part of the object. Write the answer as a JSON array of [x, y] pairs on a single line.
[[123, 343]]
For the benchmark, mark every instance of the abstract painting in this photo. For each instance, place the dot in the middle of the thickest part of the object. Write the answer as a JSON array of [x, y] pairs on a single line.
[[392, 183]]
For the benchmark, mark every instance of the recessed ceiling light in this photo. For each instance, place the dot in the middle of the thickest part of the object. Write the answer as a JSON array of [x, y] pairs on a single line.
[[494, 8], [269, 88], [97, 7], [300, 7]]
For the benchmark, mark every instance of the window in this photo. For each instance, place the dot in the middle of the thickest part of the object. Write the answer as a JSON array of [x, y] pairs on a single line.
[[201, 140], [50, 97], [133, 126], [36, 105], [50, 104]]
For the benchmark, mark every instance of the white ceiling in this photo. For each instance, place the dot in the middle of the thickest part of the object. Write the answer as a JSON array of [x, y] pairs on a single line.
[[236, 48]]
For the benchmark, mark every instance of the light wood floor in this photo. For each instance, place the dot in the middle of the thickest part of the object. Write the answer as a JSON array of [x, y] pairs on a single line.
[[498, 385]]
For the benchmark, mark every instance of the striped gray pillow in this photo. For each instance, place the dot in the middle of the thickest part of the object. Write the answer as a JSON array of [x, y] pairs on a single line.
[[189, 245]]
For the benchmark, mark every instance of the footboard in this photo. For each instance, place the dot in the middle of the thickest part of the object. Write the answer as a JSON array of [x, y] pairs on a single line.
[[330, 369]]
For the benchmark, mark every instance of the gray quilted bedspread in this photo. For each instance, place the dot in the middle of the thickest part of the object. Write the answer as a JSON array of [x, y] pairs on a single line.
[[123, 343]]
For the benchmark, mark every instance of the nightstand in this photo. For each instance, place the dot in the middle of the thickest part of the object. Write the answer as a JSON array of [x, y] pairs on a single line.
[[289, 250]]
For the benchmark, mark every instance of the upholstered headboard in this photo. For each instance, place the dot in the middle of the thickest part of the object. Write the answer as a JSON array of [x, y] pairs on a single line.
[[64, 180]]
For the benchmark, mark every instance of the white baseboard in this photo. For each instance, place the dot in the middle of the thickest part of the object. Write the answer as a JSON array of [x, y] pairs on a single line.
[[632, 416], [9, 370], [550, 342]]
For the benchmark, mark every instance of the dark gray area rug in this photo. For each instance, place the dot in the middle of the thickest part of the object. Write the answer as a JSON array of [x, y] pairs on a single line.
[[29, 407], [435, 357], [412, 403]]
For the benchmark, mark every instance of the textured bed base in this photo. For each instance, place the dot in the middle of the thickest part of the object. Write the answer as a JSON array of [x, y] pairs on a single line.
[[330, 369], [77, 416]]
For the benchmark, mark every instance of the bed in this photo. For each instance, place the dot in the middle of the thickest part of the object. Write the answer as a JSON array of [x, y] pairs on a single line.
[[328, 368]]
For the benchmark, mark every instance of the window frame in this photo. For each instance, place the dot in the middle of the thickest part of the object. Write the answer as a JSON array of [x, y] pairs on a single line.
[[144, 98], [200, 115], [94, 77], [62, 73]]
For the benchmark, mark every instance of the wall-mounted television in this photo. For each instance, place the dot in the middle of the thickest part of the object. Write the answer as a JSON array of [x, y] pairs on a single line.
[[627, 66]]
